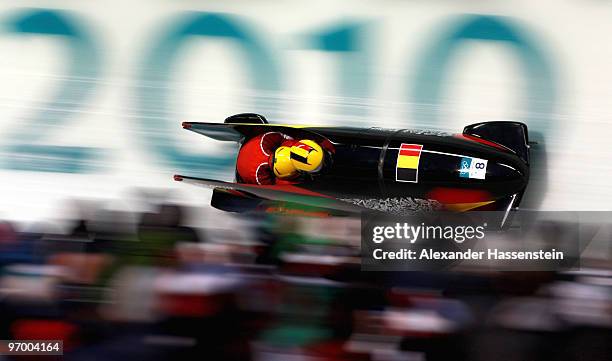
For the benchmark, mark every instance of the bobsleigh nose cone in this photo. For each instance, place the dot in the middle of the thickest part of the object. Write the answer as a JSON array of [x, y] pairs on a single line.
[[507, 171]]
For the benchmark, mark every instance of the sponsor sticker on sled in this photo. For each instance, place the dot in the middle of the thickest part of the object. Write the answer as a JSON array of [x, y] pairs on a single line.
[[407, 169], [473, 168]]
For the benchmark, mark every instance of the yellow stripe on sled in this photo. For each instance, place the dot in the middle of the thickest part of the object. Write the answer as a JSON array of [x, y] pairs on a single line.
[[406, 161], [463, 207]]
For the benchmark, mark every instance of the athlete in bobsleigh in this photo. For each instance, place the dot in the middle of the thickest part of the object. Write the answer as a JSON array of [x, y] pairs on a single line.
[[276, 158]]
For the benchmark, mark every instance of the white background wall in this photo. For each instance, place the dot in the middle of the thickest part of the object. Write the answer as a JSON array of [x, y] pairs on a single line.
[[211, 81]]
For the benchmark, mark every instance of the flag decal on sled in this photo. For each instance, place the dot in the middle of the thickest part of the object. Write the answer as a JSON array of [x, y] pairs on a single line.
[[407, 169]]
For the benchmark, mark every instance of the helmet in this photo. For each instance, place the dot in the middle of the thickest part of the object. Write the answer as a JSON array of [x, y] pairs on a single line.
[[282, 164], [307, 156]]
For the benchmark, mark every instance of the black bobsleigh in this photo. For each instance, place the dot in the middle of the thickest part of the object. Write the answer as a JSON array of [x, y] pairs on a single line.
[[486, 167]]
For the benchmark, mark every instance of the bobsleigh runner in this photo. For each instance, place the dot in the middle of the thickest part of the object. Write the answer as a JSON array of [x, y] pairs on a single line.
[[397, 171]]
